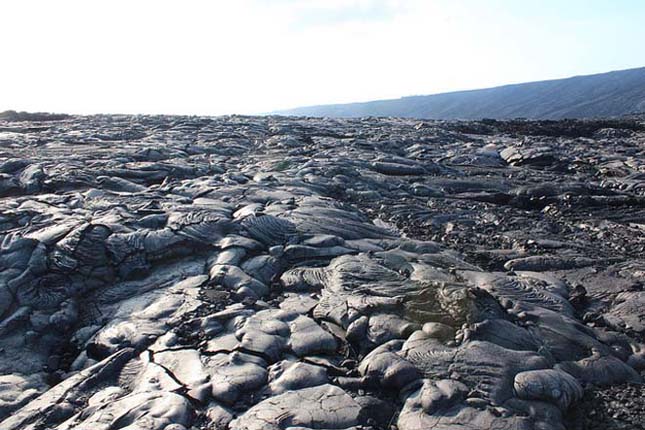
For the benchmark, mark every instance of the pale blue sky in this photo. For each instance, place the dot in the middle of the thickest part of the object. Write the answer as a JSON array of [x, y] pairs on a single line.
[[249, 56]]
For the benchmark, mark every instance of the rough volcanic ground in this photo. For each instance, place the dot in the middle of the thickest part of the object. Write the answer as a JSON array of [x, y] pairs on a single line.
[[269, 273]]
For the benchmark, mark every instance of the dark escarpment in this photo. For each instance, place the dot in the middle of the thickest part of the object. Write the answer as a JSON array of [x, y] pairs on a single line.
[[602, 95], [275, 273]]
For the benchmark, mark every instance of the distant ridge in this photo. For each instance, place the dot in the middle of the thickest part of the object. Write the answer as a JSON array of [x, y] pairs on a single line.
[[12, 115], [609, 94]]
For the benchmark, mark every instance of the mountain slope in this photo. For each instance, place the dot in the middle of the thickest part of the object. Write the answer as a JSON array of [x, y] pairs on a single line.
[[601, 95]]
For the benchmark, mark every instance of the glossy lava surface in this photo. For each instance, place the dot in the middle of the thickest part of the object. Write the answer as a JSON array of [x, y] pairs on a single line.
[[298, 273]]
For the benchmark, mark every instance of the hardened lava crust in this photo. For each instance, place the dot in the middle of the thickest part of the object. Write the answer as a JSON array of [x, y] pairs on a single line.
[[275, 273]]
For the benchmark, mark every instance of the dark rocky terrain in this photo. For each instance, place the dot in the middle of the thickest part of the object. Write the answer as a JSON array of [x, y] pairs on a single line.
[[602, 95], [295, 273]]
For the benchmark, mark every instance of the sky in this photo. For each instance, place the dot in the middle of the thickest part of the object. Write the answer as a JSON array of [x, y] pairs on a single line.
[[255, 56]]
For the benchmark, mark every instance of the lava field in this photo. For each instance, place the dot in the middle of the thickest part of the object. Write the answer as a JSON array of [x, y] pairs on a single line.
[[278, 273]]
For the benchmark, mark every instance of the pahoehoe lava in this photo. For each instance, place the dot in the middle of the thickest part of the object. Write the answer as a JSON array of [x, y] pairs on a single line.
[[272, 273]]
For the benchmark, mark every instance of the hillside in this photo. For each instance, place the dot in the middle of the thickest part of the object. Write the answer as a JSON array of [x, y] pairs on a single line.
[[602, 95]]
